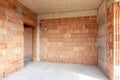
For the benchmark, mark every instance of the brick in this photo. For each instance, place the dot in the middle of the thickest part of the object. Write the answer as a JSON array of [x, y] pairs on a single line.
[[2, 16], [18, 15], [95, 30], [1, 52], [3, 45], [18, 27], [11, 5], [4, 3], [1, 23], [93, 18], [8, 39], [20, 67], [1, 38], [11, 1], [15, 63], [7, 25], [3, 31], [2, 10], [13, 19], [19, 33], [4, 66], [9, 72], [18, 4], [10, 12]]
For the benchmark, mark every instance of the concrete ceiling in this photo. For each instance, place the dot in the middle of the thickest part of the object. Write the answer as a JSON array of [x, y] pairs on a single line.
[[53, 6]]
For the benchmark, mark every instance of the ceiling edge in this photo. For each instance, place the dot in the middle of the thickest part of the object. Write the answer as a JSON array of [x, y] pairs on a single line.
[[69, 14]]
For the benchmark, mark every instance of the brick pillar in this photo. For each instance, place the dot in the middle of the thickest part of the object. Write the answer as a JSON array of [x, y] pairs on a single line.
[[113, 42], [110, 48]]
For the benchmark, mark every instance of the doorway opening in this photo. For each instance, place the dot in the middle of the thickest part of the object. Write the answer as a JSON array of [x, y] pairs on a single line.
[[27, 44]]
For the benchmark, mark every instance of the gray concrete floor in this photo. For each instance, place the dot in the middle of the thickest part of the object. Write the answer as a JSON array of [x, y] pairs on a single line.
[[57, 71]]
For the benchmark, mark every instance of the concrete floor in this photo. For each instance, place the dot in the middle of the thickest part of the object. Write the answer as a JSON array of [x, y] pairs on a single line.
[[56, 71]]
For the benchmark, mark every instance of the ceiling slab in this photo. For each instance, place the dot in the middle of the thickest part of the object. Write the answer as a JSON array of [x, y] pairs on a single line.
[[68, 14], [54, 6]]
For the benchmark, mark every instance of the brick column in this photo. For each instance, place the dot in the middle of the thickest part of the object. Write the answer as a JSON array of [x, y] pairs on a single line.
[[113, 42]]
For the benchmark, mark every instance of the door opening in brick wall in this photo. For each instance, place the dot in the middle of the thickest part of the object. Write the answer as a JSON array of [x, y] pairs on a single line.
[[27, 44]]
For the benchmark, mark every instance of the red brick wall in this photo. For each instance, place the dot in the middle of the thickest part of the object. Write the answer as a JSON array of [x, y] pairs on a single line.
[[113, 42], [11, 35], [69, 40], [11, 45]]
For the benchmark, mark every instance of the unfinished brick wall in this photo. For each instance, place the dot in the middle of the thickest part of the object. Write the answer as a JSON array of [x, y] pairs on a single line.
[[11, 44], [113, 42], [29, 18], [69, 40], [11, 35]]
